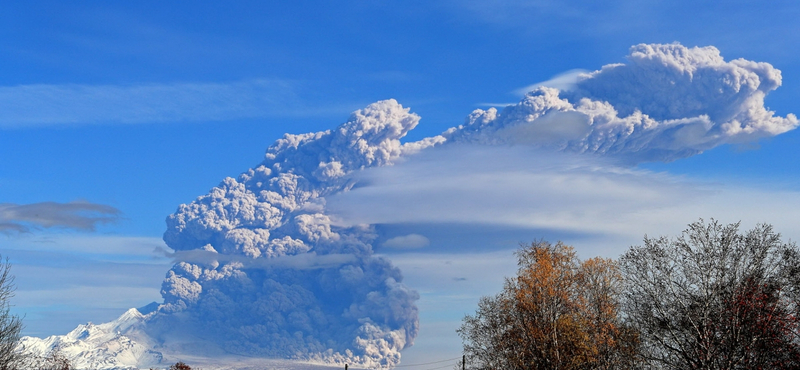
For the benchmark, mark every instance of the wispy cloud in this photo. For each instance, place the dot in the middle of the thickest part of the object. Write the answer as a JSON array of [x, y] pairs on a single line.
[[121, 249], [71, 104], [651, 20], [80, 215], [563, 81], [66, 279], [549, 15]]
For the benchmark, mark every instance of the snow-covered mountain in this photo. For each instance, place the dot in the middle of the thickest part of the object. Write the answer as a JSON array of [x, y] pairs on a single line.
[[122, 344], [119, 344]]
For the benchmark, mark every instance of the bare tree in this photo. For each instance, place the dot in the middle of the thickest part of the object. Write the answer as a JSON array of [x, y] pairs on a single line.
[[487, 335], [53, 360], [715, 299], [10, 324]]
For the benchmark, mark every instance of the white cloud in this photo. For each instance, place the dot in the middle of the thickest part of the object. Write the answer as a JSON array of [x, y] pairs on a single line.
[[70, 104], [565, 16], [668, 102]]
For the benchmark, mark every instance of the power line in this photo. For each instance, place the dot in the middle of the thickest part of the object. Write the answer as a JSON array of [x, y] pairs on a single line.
[[440, 367], [430, 363], [422, 364]]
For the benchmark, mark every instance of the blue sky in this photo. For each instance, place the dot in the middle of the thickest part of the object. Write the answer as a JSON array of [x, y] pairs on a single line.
[[144, 106]]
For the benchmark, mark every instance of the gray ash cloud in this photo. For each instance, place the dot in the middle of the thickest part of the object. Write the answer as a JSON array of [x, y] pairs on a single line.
[[265, 271]]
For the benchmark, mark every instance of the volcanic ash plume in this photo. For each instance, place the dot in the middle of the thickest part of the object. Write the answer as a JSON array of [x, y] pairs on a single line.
[[263, 270], [667, 103]]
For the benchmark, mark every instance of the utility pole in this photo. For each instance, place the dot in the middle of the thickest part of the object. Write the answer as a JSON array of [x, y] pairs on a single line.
[[463, 362]]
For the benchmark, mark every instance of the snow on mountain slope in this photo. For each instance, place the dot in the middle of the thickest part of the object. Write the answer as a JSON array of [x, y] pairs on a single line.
[[119, 344], [122, 345]]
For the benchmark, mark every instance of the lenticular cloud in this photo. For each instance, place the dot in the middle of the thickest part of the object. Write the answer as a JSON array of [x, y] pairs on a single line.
[[668, 102]]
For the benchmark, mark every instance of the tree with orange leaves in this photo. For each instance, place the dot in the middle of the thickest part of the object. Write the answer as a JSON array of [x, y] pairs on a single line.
[[558, 313]]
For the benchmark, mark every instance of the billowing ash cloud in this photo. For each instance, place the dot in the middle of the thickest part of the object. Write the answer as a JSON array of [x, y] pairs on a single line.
[[668, 102], [264, 272], [78, 215], [264, 267]]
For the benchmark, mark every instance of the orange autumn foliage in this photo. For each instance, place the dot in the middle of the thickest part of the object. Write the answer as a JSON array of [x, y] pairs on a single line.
[[557, 313]]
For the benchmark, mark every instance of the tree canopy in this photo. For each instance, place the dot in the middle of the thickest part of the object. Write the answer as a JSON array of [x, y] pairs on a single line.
[[558, 313], [712, 298], [715, 298]]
